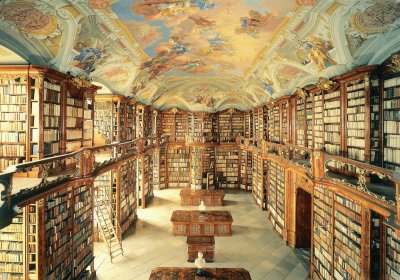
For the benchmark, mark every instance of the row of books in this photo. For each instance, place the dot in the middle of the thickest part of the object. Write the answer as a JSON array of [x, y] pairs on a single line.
[[16, 89]]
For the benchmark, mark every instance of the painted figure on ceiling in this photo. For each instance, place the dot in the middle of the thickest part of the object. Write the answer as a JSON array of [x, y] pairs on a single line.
[[267, 88], [318, 51], [306, 2], [99, 4], [167, 8], [87, 58], [254, 23]]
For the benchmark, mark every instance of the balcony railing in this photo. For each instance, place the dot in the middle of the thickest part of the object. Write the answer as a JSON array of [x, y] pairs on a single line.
[[21, 182]]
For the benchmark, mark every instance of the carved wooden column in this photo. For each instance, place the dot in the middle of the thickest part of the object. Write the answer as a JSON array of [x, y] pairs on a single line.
[[290, 208]]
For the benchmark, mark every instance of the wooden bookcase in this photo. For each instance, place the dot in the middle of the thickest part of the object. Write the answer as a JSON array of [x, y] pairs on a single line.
[[159, 165], [230, 125], [51, 238], [301, 125], [227, 166], [195, 127], [391, 120], [125, 193], [128, 120], [36, 116], [258, 188], [178, 166], [248, 124], [246, 170], [276, 196], [196, 167]]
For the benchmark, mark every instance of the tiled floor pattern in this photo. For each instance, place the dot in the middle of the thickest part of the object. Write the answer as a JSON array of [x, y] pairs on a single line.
[[253, 244]]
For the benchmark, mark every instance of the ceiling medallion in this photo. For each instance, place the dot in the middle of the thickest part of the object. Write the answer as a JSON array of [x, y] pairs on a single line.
[[394, 66], [325, 84]]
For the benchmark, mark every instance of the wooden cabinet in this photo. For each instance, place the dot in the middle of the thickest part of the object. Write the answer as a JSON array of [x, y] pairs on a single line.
[[185, 273], [199, 243], [210, 197], [192, 222]]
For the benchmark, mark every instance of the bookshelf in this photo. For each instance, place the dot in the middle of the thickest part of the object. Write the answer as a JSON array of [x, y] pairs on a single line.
[[208, 160], [258, 190], [83, 257], [210, 128], [35, 113], [227, 167], [148, 177], [322, 252], [74, 120], [230, 125], [140, 121], [248, 125], [256, 123], [11, 250], [375, 125], [237, 125], [392, 256], [264, 123], [13, 119], [168, 124], [195, 126], [51, 118], [318, 119], [347, 238], [178, 162], [246, 171], [332, 122], [162, 168], [181, 126], [391, 122], [103, 121], [196, 168], [301, 122], [224, 126], [285, 121], [126, 195], [309, 120], [276, 197], [276, 136], [355, 116], [130, 121]]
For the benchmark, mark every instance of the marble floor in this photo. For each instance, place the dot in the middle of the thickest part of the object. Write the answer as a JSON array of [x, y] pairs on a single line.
[[253, 244]]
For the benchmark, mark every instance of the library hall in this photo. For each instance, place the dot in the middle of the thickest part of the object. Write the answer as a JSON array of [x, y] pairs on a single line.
[[199, 140]]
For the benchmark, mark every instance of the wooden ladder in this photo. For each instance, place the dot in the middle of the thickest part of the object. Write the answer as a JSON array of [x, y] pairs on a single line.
[[107, 229]]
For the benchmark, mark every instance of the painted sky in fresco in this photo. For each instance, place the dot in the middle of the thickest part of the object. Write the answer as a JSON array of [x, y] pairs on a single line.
[[202, 37]]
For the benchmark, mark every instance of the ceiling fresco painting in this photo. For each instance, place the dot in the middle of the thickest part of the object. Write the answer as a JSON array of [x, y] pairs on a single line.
[[201, 55]]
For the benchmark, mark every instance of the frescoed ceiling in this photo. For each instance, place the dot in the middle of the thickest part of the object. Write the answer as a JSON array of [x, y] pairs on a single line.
[[201, 55]]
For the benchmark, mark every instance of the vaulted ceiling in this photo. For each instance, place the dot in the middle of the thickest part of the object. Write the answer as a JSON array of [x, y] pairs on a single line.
[[201, 55]]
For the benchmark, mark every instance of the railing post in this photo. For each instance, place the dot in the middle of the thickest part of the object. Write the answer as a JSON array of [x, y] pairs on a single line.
[[318, 165], [87, 160]]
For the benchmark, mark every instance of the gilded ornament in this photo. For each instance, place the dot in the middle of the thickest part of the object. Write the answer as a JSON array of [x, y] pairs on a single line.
[[301, 93], [81, 81], [394, 66], [366, 80], [317, 155], [174, 110], [325, 84]]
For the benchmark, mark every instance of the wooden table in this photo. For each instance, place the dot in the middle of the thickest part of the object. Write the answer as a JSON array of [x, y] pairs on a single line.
[[210, 197], [193, 222], [188, 273], [200, 243]]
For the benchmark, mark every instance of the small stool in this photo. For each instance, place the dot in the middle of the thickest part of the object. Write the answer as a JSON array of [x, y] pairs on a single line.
[[200, 243]]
